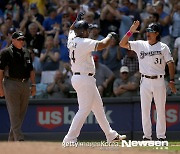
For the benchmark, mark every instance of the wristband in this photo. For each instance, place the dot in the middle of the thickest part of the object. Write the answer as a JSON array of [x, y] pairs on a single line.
[[129, 34], [33, 85]]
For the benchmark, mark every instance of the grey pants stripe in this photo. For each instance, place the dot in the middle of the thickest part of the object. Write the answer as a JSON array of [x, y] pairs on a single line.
[[17, 98]]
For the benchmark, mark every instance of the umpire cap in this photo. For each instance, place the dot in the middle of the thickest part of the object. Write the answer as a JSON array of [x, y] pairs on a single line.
[[18, 35], [153, 27]]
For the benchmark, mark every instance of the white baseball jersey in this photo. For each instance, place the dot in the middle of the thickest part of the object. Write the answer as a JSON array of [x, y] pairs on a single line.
[[152, 58], [81, 53]]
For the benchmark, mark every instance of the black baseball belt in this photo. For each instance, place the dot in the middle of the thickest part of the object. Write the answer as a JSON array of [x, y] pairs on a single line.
[[78, 73], [17, 79], [152, 77]]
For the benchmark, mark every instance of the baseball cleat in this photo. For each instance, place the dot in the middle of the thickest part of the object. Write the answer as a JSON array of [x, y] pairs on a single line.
[[161, 139], [146, 138], [119, 138]]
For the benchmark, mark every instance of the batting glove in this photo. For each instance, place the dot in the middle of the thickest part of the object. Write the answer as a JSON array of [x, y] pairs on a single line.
[[79, 16]]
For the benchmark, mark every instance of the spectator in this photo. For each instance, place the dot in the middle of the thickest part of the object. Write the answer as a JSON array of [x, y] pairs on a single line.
[[66, 17], [152, 18], [176, 54], [134, 9], [35, 12], [61, 41], [126, 21], [35, 39], [9, 22], [59, 88], [31, 17], [40, 6], [125, 85], [131, 61], [112, 56], [50, 60], [164, 20], [104, 77], [108, 21], [12, 10], [51, 21], [89, 17], [36, 64], [175, 20], [7, 41], [95, 35], [96, 9], [41, 91]]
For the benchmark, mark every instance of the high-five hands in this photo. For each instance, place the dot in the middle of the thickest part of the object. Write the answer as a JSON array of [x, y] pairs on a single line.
[[134, 26]]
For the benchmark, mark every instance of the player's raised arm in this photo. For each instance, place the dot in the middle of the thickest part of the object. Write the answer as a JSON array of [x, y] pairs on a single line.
[[124, 41], [106, 41], [78, 18]]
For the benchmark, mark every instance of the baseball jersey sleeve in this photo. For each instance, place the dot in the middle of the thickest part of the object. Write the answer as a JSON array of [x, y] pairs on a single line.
[[90, 45], [134, 45], [167, 53]]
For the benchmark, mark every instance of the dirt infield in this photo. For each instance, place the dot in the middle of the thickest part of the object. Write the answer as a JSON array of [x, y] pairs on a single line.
[[56, 148]]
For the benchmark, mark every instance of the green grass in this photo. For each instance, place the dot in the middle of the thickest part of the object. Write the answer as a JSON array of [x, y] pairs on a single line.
[[174, 146]]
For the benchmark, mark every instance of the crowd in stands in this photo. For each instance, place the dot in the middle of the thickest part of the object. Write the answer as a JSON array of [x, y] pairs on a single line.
[[46, 26]]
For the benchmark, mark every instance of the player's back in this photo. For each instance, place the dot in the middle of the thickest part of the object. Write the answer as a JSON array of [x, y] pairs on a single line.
[[80, 53]]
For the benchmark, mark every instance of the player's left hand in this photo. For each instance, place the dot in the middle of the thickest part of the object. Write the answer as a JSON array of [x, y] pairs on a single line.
[[79, 16], [172, 87], [134, 26], [114, 35]]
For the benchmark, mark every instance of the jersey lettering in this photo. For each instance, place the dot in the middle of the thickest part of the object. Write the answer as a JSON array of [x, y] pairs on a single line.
[[151, 53], [158, 61], [72, 57]]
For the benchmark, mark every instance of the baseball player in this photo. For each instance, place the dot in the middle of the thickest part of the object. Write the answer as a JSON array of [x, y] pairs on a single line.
[[83, 68], [153, 55]]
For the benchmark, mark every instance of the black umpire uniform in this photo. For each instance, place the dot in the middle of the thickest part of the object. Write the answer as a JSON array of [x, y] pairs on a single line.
[[15, 71]]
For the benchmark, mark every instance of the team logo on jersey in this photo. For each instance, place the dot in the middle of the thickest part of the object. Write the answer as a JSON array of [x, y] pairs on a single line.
[[151, 53]]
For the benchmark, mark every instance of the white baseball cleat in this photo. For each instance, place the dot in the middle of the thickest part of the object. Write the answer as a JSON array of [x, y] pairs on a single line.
[[119, 138]]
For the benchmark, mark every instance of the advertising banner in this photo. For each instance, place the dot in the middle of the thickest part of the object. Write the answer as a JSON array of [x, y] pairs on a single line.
[[57, 118]]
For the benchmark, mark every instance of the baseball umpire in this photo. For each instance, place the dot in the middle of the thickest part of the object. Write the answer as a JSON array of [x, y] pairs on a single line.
[[153, 56], [15, 70], [83, 81]]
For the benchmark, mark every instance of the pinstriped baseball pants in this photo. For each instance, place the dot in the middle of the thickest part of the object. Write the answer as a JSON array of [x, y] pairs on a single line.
[[153, 88], [89, 100]]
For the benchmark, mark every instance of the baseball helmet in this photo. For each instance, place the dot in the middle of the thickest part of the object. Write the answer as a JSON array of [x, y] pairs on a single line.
[[82, 24], [80, 27], [153, 27]]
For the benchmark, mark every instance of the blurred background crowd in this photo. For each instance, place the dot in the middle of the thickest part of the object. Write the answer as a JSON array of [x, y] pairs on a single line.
[[45, 24]]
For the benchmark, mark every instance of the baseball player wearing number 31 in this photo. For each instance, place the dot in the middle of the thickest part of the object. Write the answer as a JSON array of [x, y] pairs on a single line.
[[153, 55], [83, 68]]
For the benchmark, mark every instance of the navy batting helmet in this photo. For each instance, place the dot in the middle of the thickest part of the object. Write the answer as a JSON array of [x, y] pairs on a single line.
[[80, 27], [153, 27], [82, 24]]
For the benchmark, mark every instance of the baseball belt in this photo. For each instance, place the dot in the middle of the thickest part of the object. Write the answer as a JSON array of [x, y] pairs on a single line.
[[78, 73], [152, 77]]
